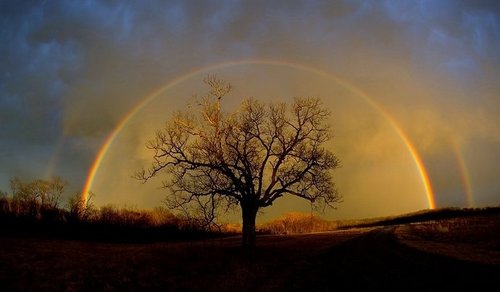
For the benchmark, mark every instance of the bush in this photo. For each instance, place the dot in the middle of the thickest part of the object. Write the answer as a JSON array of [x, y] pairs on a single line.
[[294, 223]]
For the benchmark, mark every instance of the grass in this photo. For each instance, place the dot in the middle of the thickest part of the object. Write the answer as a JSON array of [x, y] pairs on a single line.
[[51, 264], [461, 252], [473, 238]]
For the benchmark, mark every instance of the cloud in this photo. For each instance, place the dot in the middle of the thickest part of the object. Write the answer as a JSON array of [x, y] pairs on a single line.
[[71, 70]]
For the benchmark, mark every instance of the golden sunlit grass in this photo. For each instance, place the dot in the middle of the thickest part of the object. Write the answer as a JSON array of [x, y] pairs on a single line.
[[295, 223], [473, 239]]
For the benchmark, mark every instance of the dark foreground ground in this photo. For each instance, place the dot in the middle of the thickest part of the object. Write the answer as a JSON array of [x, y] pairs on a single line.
[[409, 257]]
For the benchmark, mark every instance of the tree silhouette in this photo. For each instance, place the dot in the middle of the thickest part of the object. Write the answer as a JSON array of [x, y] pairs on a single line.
[[248, 158], [80, 208], [38, 197]]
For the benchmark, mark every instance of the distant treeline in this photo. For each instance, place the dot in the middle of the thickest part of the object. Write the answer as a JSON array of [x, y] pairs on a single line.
[[419, 216], [295, 223], [35, 208]]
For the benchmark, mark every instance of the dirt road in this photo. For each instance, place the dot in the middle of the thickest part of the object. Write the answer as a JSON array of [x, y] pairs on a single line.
[[378, 261]]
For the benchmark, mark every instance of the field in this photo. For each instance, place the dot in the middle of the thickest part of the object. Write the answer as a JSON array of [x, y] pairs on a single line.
[[459, 253]]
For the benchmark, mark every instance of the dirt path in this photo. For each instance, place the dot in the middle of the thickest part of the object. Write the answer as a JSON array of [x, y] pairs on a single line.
[[378, 261]]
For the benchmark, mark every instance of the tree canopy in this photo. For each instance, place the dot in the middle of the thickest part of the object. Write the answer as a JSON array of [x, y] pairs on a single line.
[[250, 157]]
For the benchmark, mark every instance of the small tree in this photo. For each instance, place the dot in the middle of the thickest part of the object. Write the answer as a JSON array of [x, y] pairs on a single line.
[[5, 204], [80, 208], [37, 196], [248, 158]]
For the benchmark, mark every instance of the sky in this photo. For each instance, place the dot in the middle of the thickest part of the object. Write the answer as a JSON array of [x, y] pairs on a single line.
[[398, 76]]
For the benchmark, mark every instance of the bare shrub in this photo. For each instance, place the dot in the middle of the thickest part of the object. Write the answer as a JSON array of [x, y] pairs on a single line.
[[294, 223], [81, 208], [38, 197]]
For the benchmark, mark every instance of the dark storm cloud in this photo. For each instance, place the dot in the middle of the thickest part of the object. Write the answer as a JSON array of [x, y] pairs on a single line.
[[31, 90], [73, 68]]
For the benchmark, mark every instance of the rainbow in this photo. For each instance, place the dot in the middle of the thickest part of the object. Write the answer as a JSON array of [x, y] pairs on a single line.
[[147, 99], [464, 173], [54, 160]]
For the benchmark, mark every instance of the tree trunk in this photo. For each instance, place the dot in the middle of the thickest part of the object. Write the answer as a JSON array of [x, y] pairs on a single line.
[[249, 214]]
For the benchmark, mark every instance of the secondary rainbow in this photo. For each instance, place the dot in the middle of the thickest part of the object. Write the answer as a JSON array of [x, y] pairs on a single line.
[[114, 133], [464, 173]]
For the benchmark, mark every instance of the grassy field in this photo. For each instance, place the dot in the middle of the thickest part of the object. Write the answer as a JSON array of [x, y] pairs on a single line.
[[449, 254], [474, 238], [47, 264]]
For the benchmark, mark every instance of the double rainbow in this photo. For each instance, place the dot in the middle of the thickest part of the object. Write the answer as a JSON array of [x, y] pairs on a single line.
[[147, 99]]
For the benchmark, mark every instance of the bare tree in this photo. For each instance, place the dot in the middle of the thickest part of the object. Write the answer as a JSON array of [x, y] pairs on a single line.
[[248, 158], [80, 208], [38, 196]]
